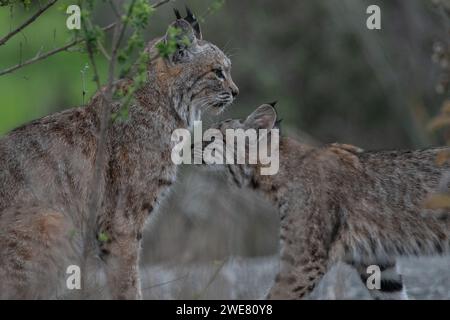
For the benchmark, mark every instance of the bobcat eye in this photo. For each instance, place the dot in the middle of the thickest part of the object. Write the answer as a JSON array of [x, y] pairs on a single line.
[[219, 74]]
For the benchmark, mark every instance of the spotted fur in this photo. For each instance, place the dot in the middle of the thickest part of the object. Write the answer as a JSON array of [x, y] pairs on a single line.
[[340, 203], [47, 167]]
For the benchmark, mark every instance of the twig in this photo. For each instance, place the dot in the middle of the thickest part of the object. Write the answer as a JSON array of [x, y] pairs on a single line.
[[39, 57], [116, 44], [48, 54], [103, 50], [160, 3], [105, 110], [26, 23], [57, 50], [91, 56], [89, 240], [105, 114], [114, 9], [150, 287], [211, 280]]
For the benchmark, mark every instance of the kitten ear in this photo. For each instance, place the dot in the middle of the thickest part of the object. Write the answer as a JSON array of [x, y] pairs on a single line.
[[264, 117]]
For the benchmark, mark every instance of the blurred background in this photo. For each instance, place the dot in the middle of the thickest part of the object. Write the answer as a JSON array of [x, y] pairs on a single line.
[[334, 79]]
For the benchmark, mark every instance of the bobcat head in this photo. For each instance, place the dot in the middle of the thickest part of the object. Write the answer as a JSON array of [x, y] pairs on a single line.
[[262, 121], [196, 75]]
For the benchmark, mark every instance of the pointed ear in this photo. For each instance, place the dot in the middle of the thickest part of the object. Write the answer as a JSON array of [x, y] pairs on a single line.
[[264, 117], [192, 19], [182, 34]]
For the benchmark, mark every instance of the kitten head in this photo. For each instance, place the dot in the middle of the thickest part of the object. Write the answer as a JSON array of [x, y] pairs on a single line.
[[196, 72], [255, 132]]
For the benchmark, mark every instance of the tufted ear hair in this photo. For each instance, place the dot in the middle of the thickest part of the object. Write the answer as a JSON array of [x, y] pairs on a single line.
[[264, 117], [191, 19]]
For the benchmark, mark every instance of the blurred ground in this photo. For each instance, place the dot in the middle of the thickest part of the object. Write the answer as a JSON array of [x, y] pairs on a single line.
[[250, 278], [213, 241]]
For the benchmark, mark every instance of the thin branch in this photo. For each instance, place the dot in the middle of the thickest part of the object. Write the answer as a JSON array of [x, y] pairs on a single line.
[[102, 49], [160, 3], [116, 43], [105, 107], [105, 115], [91, 54], [93, 202], [212, 279], [57, 50], [114, 9], [39, 57], [26, 23], [165, 283]]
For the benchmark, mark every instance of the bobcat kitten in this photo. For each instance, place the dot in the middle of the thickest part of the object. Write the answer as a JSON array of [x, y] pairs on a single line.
[[46, 170], [339, 203]]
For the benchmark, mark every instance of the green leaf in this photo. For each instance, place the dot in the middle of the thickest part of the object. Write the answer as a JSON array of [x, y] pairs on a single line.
[[168, 47], [72, 233], [102, 237]]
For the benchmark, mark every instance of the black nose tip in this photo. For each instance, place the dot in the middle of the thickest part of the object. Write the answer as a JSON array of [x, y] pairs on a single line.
[[234, 92]]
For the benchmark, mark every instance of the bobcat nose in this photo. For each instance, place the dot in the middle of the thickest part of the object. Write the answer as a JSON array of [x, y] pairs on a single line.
[[234, 90]]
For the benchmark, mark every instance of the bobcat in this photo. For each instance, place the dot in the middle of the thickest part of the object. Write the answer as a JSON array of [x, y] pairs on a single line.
[[339, 203], [46, 170]]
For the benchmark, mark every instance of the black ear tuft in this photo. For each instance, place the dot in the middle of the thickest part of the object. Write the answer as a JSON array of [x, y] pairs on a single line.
[[278, 122], [177, 13], [273, 103], [191, 19], [190, 15]]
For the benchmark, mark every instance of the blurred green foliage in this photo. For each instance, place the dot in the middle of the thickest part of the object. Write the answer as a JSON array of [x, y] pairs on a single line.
[[50, 85]]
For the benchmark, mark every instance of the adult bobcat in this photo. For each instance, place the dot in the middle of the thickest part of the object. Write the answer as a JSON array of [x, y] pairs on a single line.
[[46, 170], [339, 203]]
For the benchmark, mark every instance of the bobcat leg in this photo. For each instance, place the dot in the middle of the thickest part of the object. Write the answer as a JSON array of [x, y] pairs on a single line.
[[122, 267], [304, 251], [297, 282], [303, 264], [391, 283]]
